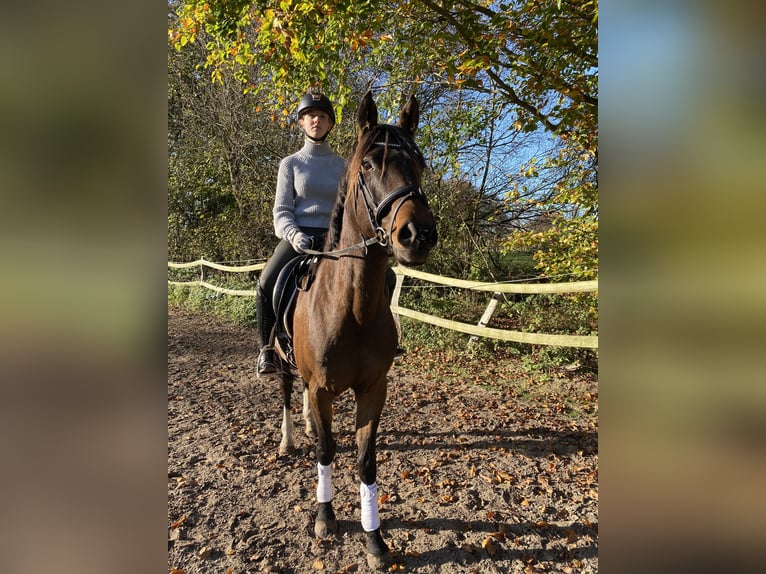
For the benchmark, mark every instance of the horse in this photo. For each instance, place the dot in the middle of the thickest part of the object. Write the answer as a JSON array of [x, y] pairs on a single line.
[[344, 334]]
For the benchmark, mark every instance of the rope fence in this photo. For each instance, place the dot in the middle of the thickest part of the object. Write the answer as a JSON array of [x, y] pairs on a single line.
[[479, 330]]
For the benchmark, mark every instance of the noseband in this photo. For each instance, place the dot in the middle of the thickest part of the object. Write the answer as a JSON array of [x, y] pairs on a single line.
[[377, 211]]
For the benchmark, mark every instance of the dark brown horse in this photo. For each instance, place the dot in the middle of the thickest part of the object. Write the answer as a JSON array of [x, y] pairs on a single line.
[[343, 330]]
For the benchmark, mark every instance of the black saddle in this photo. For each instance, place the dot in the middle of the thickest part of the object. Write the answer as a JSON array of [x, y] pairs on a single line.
[[297, 275]]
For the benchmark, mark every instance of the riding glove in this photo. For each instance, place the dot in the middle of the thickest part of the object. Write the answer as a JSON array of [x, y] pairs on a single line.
[[299, 240]]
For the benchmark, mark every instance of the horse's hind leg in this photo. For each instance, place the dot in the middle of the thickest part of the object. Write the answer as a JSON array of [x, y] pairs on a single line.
[[288, 443], [311, 427], [368, 409], [321, 410]]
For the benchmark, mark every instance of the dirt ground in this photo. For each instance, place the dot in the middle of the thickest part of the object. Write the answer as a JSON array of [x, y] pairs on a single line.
[[475, 473]]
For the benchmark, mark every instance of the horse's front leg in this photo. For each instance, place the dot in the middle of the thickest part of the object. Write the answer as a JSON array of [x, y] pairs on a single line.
[[320, 402], [288, 443], [368, 409]]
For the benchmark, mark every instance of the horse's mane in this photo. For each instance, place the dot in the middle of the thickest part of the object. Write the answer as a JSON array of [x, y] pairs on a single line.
[[381, 133]]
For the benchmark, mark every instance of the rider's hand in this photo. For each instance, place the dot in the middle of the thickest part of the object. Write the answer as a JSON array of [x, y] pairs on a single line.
[[300, 241]]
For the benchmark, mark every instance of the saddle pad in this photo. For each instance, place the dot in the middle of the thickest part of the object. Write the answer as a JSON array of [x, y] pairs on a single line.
[[286, 288]]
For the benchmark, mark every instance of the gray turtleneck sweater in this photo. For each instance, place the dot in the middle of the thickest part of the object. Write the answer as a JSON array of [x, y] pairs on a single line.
[[307, 184]]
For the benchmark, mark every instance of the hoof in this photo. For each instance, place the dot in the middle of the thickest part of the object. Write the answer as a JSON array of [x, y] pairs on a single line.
[[286, 449], [379, 562], [325, 526], [378, 555]]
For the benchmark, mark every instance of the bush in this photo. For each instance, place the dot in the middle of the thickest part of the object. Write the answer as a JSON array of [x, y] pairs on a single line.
[[544, 313], [237, 309]]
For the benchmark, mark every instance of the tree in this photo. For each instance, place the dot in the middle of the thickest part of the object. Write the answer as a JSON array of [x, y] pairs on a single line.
[[497, 72]]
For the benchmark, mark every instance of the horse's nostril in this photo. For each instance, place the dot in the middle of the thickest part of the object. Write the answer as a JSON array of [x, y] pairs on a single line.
[[426, 235], [429, 234], [417, 236], [407, 234]]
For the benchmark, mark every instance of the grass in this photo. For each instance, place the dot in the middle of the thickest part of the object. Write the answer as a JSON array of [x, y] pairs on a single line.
[[548, 314]]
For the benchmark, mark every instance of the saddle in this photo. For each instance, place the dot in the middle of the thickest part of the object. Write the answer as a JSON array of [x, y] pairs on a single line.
[[297, 275]]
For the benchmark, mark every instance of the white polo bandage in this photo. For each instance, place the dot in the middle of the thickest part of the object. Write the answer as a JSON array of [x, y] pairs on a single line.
[[324, 485], [369, 498]]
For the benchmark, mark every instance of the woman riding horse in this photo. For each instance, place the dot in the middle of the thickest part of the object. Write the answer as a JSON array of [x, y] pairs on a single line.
[[343, 330]]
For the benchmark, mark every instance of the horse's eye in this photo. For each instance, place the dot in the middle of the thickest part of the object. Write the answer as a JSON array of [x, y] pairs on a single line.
[[367, 165]]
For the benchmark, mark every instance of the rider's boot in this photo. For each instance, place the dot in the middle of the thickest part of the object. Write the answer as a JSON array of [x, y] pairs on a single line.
[[267, 364]]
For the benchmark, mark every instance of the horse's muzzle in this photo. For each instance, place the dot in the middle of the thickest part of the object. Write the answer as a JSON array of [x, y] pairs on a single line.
[[415, 242]]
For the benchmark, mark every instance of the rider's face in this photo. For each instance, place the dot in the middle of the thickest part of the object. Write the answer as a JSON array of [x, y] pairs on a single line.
[[315, 123]]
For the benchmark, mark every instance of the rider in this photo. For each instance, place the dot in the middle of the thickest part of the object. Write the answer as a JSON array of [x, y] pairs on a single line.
[[307, 184]]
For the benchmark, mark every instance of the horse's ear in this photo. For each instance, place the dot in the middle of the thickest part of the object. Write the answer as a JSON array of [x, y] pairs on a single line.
[[410, 115], [367, 116]]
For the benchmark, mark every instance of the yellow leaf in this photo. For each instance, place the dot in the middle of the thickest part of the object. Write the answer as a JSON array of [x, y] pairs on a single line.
[[318, 564], [489, 545]]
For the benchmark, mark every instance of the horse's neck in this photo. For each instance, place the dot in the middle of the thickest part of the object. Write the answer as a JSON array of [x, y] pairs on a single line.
[[360, 275]]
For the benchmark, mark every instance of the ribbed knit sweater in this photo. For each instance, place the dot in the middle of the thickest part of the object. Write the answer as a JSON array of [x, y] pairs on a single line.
[[307, 184]]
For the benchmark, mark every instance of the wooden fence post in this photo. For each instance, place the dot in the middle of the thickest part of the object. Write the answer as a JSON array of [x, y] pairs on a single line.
[[486, 317], [395, 303]]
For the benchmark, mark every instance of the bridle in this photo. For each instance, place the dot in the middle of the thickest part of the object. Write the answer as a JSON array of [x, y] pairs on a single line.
[[377, 211]]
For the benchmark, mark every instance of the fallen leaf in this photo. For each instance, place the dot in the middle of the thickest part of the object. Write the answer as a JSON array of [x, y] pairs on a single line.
[[502, 475], [318, 564], [527, 558], [571, 536], [177, 571], [489, 545], [178, 522], [205, 553], [411, 553]]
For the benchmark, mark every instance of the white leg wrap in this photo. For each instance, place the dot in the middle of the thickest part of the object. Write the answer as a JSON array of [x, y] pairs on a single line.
[[369, 497], [324, 486]]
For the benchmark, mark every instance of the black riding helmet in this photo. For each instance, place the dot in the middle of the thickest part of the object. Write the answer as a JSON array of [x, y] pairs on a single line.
[[316, 101]]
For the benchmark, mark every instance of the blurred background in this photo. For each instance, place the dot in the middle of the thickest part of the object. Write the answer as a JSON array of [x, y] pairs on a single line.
[[683, 308]]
